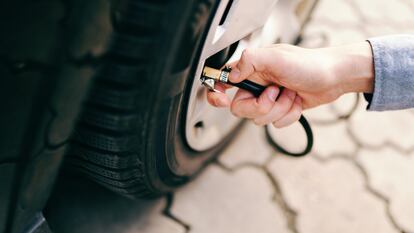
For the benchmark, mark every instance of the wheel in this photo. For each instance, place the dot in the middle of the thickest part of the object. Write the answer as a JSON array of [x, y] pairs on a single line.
[[146, 127]]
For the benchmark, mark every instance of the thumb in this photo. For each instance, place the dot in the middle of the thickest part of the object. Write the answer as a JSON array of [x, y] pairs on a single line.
[[249, 63]]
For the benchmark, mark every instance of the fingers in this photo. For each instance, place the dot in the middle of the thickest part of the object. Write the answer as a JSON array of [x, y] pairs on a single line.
[[219, 99], [292, 116], [280, 108], [249, 63], [263, 110], [246, 105]]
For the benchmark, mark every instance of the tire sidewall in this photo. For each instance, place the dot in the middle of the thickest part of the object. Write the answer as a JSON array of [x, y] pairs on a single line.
[[172, 162]]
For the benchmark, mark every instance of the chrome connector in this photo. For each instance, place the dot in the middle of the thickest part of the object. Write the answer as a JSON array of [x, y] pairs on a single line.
[[210, 76], [209, 83]]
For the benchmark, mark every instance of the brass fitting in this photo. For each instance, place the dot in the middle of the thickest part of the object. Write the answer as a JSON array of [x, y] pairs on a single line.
[[217, 75]]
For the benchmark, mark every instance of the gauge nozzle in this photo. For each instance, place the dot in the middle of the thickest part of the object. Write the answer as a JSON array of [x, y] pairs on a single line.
[[217, 75], [210, 76]]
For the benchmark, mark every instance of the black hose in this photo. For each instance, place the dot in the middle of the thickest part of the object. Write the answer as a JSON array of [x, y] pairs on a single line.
[[309, 135], [256, 90]]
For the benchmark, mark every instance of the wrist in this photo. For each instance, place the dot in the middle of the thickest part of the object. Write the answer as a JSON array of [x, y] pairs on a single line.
[[353, 67]]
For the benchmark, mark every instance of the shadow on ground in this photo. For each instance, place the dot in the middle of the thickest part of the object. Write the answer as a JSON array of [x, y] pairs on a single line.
[[79, 205]]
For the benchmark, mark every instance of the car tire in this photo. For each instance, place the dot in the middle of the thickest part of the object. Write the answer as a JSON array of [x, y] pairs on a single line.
[[130, 136]]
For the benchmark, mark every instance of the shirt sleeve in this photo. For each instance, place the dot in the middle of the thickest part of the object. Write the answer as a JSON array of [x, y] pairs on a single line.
[[394, 73]]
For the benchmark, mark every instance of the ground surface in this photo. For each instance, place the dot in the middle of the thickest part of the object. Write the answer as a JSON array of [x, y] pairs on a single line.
[[359, 178]]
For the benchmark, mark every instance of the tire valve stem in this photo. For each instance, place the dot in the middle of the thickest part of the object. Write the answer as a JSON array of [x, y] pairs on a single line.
[[210, 76]]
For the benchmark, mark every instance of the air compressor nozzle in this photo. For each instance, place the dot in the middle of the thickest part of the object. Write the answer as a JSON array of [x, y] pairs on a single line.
[[210, 76], [216, 74]]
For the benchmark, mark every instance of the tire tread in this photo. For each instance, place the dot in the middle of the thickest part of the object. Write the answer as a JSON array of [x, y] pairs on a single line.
[[105, 146]]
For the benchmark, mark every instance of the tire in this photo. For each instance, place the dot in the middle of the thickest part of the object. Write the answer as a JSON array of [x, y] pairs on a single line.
[[130, 136]]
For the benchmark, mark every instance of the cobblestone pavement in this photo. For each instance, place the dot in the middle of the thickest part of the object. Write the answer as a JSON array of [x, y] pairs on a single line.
[[359, 177]]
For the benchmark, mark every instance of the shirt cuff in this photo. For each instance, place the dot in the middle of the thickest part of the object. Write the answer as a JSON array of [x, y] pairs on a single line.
[[394, 73]]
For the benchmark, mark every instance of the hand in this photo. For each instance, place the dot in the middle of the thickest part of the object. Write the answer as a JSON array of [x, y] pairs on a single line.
[[311, 77]]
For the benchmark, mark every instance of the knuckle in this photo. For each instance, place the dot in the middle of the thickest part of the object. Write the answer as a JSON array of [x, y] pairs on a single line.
[[246, 54], [215, 102], [258, 122], [234, 111], [297, 112], [276, 124], [283, 109], [261, 109], [210, 100], [236, 114]]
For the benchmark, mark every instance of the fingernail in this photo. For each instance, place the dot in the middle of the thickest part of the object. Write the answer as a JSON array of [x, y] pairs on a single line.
[[272, 93], [234, 74]]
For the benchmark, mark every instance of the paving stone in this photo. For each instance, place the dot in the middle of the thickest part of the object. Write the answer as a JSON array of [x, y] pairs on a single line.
[[347, 36], [154, 221], [82, 206], [408, 3], [292, 138], [320, 114], [314, 39], [223, 202], [391, 174], [249, 146], [338, 11], [329, 139], [139, 216], [315, 35], [333, 140], [383, 11], [330, 34], [331, 112], [345, 104], [374, 30], [374, 129], [329, 197]]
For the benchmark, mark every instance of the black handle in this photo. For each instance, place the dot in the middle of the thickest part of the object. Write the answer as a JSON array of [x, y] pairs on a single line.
[[256, 90]]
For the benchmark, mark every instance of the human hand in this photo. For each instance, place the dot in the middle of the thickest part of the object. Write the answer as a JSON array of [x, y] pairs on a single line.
[[311, 77]]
